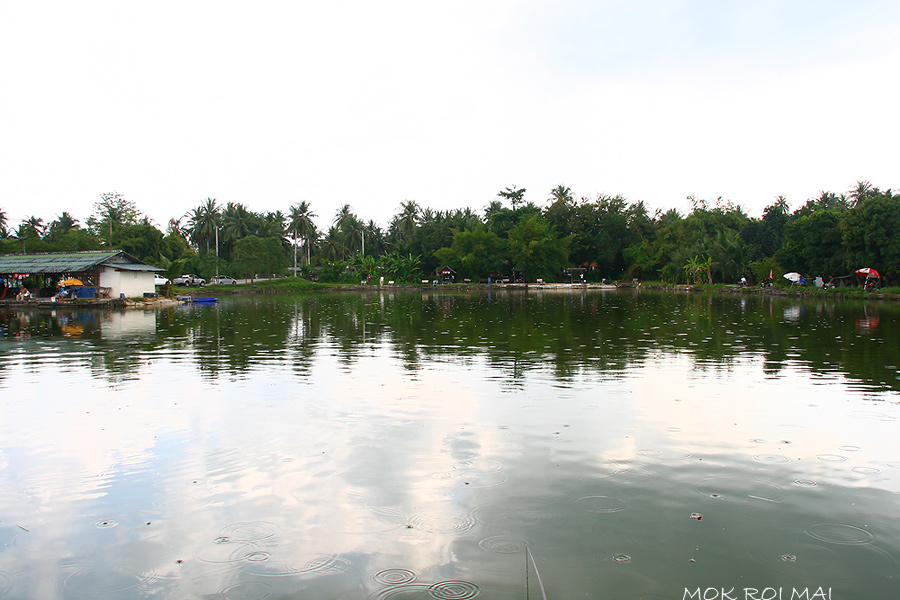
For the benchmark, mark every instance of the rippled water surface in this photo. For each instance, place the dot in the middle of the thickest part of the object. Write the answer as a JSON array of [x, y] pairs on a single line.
[[451, 446]]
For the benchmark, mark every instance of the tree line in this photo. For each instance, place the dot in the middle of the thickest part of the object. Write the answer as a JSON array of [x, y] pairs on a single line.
[[563, 238]]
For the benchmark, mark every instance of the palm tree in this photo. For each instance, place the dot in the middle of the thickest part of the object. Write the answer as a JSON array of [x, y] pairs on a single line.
[[561, 194], [62, 225], [4, 232], [237, 222], [429, 215], [781, 205], [204, 221], [374, 236], [33, 227], [174, 227], [354, 233], [342, 215], [826, 200], [172, 269], [491, 210], [272, 225], [301, 225], [332, 245], [861, 192], [407, 220], [349, 228]]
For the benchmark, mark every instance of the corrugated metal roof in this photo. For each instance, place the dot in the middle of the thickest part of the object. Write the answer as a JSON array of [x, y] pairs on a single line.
[[65, 262], [133, 267]]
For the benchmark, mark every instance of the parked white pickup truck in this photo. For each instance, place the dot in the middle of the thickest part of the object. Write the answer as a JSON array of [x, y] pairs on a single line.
[[189, 280]]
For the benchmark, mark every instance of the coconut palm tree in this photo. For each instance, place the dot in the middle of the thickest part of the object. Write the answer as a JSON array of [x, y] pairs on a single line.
[[561, 194], [300, 224], [407, 220], [174, 227], [203, 222], [4, 232], [332, 246], [861, 192], [354, 234], [272, 225], [780, 205], [237, 222], [349, 228], [62, 225], [491, 210], [466, 218], [194, 231], [373, 237], [32, 227]]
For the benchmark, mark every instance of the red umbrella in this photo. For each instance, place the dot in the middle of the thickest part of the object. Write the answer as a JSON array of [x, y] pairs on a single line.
[[868, 272]]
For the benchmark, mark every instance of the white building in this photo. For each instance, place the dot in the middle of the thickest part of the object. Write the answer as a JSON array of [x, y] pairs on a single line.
[[104, 274]]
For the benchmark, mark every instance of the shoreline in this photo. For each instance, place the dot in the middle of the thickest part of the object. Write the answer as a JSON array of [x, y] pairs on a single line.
[[167, 302]]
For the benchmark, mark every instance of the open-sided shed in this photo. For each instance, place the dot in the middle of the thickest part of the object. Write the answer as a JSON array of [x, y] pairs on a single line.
[[108, 273]]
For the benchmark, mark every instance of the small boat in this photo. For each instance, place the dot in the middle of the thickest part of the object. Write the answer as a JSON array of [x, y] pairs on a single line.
[[208, 300]]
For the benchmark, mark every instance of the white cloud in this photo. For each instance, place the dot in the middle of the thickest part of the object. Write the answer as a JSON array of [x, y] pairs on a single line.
[[374, 103]]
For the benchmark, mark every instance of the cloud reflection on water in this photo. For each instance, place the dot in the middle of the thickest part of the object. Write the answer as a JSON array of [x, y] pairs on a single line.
[[262, 479]]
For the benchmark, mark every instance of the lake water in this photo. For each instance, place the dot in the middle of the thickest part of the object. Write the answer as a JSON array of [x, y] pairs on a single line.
[[450, 446]]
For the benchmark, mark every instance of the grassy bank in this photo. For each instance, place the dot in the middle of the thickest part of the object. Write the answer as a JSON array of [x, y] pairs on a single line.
[[888, 293], [285, 284], [291, 284]]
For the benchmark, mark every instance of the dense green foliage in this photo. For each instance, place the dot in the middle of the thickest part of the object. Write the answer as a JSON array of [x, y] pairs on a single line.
[[607, 237]]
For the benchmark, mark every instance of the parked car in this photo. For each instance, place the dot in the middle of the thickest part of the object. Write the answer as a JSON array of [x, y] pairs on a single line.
[[189, 280], [160, 280], [222, 280]]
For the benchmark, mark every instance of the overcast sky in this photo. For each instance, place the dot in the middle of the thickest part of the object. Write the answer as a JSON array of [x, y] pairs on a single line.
[[445, 103]]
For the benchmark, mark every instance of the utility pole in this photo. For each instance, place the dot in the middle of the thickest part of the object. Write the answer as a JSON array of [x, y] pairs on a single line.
[[294, 241]]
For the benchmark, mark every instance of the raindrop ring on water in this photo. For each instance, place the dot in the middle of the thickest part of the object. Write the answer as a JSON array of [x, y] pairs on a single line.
[[601, 504], [503, 544], [771, 458], [831, 457], [806, 482], [739, 490], [326, 564], [250, 590], [418, 590], [443, 524], [249, 532], [106, 523], [394, 576], [257, 556], [840, 533], [453, 590], [866, 470], [96, 580]]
